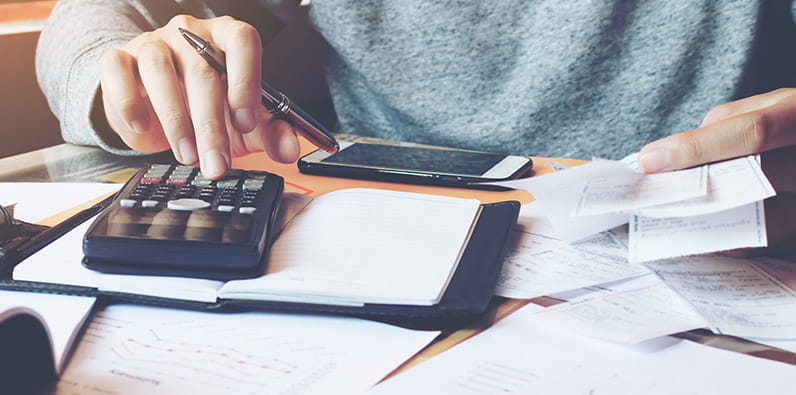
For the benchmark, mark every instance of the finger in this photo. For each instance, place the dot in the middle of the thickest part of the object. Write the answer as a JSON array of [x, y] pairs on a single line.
[[276, 137], [127, 110], [205, 92], [237, 145], [744, 134], [159, 77], [748, 104], [241, 43]]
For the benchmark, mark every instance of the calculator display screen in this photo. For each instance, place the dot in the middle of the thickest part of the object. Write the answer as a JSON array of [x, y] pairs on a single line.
[[166, 224]]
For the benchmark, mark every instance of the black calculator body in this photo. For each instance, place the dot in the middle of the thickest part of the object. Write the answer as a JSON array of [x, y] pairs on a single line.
[[169, 220]]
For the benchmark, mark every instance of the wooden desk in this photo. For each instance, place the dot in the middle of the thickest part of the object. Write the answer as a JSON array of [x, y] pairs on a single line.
[[65, 163]]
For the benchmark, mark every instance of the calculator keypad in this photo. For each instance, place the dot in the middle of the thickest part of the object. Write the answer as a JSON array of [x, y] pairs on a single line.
[[171, 220], [174, 202], [185, 188]]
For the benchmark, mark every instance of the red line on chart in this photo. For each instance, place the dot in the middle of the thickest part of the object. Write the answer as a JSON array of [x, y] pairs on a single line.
[[307, 191], [220, 354]]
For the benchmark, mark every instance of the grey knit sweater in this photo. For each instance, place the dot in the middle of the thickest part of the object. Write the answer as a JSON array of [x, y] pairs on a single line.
[[572, 78]]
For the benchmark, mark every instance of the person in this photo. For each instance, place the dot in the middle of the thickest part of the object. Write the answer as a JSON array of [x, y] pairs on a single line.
[[546, 78]]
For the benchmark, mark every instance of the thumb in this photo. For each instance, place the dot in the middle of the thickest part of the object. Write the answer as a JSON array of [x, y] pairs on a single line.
[[741, 135]]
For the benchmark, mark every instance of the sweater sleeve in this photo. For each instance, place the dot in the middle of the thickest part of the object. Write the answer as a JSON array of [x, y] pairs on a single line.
[[77, 33]]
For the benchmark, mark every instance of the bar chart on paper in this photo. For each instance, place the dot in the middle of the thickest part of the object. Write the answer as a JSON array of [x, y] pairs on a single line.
[[129, 349]]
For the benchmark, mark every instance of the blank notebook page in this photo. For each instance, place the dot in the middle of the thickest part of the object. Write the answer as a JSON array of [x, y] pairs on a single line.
[[358, 246]]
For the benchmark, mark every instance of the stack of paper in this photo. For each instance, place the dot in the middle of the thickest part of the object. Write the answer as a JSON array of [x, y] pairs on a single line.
[[522, 355], [615, 282], [705, 209]]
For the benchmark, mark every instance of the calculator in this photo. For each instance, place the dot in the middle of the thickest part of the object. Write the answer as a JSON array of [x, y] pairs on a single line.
[[169, 220]]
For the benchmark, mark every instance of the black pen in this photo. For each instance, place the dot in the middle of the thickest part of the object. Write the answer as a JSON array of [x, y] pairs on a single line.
[[16, 253], [275, 101]]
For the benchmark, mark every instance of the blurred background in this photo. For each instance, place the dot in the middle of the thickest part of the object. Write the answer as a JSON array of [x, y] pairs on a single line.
[[26, 122]]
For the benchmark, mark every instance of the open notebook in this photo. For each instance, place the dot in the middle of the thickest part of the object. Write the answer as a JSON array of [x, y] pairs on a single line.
[[36, 334], [351, 251]]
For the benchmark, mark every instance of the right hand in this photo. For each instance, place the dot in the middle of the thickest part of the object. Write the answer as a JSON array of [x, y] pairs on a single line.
[[765, 124], [158, 93]]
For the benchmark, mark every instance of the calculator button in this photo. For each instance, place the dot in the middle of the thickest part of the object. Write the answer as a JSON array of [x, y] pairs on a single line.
[[150, 179], [149, 203], [127, 203], [187, 204], [183, 169], [248, 210], [253, 185], [225, 208], [223, 184], [201, 182], [177, 181]]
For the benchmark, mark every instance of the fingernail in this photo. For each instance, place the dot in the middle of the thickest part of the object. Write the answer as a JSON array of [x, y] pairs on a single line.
[[215, 164], [654, 160], [244, 120], [187, 151]]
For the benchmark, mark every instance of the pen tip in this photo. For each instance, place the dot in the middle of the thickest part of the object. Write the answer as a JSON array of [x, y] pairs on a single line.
[[181, 30]]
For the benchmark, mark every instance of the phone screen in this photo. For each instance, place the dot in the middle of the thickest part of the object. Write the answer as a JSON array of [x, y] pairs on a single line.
[[418, 159]]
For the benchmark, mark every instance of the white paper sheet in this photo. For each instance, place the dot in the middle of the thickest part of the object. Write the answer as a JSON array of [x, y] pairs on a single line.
[[730, 200], [37, 201], [659, 238], [369, 246], [637, 310], [731, 184], [624, 190], [558, 193], [540, 264], [520, 355], [736, 296], [145, 350], [59, 263]]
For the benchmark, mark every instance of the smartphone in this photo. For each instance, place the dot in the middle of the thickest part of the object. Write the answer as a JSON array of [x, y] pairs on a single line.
[[415, 165]]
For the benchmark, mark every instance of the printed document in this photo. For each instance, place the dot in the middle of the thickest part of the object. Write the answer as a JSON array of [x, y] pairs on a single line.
[[655, 238], [522, 355], [631, 311], [145, 350], [541, 264], [671, 214], [736, 296]]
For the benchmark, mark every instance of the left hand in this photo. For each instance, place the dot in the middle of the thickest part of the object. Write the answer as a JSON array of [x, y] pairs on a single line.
[[764, 124]]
